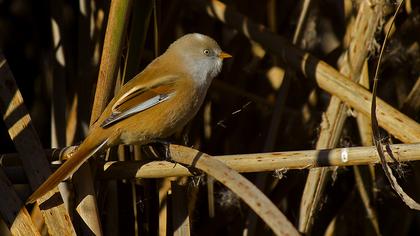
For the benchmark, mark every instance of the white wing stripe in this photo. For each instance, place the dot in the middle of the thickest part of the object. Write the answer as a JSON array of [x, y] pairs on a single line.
[[140, 107]]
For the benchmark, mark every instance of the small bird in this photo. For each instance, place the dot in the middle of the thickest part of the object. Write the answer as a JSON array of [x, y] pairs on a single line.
[[153, 105]]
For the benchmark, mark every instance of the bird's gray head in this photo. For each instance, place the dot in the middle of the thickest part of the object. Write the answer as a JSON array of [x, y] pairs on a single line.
[[200, 54]]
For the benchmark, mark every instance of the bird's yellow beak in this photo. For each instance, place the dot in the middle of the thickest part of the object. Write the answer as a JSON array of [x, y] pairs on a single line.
[[224, 55]]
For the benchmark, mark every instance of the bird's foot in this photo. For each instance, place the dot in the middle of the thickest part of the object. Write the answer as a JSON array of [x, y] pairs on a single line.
[[161, 148]]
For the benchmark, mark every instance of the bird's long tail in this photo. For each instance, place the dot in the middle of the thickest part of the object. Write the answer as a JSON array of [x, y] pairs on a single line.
[[88, 147]]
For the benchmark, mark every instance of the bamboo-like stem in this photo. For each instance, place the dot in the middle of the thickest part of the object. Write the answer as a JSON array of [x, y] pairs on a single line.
[[412, 102], [180, 217], [117, 21], [140, 21], [13, 211], [57, 78], [363, 122], [57, 67], [164, 187], [333, 120], [110, 60], [302, 20], [260, 162], [257, 162], [327, 78], [85, 207], [366, 185], [139, 24], [26, 140], [36, 217]]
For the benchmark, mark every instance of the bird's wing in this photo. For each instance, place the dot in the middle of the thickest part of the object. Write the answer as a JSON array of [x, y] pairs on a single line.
[[140, 98]]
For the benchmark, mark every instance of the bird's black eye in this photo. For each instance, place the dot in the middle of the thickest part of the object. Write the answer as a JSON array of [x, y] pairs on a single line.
[[206, 52]]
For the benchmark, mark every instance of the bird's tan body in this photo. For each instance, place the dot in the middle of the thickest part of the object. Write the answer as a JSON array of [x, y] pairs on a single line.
[[153, 105], [159, 121]]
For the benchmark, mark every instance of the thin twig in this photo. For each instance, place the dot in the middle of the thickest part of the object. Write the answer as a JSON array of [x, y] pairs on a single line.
[[375, 128]]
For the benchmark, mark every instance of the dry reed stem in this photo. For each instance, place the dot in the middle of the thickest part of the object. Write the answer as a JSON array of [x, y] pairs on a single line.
[[117, 21], [259, 162], [19, 124], [71, 126], [302, 20], [58, 70], [13, 211], [210, 196], [110, 60], [365, 189], [366, 185], [88, 26], [327, 78], [410, 202], [38, 220], [57, 75], [279, 106], [180, 217], [255, 162], [362, 36], [140, 21], [363, 122], [238, 184], [164, 187], [412, 102]]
